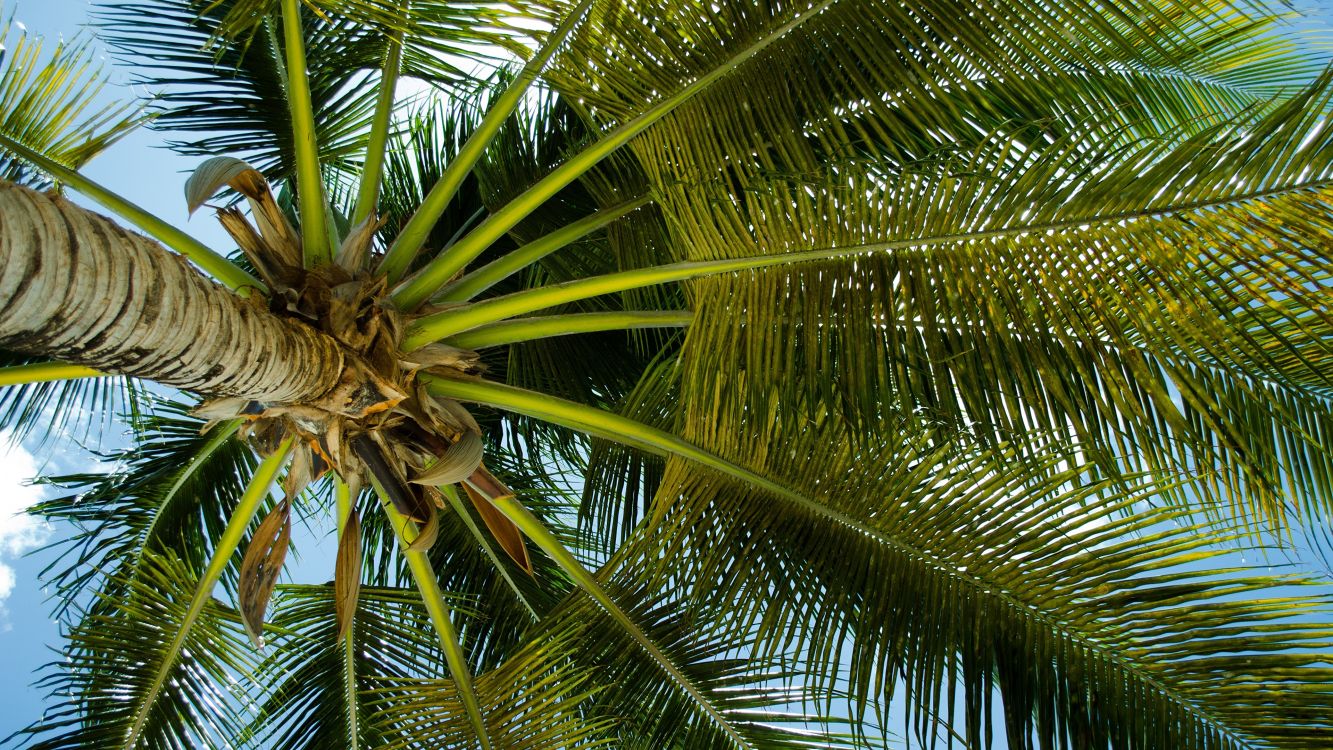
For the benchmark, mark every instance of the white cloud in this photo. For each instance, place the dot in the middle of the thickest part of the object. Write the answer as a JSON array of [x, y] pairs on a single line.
[[19, 532]]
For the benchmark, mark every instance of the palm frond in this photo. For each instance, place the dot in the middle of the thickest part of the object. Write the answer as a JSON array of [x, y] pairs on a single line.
[[863, 56], [465, 569], [414, 542], [620, 482], [406, 243], [494, 615], [1112, 149], [436, 34], [50, 104], [724, 697], [124, 688], [581, 682], [432, 277], [949, 564], [1162, 340], [1094, 627], [114, 658], [535, 699], [598, 368], [593, 368], [422, 143], [232, 97], [230, 89], [307, 701], [172, 492]]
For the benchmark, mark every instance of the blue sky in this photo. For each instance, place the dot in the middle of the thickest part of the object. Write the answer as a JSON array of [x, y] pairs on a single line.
[[139, 168]]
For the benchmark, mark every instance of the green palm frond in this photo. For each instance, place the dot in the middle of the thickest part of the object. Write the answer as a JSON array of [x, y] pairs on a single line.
[[944, 565], [502, 614], [534, 700], [411, 294], [861, 55], [981, 181], [527, 147], [1094, 628], [422, 143], [50, 104], [593, 368], [544, 133], [581, 682], [596, 368], [231, 90], [437, 34], [115, 654], [509, 96], [725, 697], [172, 492], [308, 702], [1061, 571], [620, 482], [231, 98], [495, 614], [1158, 340]]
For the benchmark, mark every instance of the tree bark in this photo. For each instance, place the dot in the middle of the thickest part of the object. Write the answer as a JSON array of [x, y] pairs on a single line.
[[76, 287]]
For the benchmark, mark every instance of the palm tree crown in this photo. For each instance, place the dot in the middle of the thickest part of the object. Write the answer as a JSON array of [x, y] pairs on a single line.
[[837, 373]]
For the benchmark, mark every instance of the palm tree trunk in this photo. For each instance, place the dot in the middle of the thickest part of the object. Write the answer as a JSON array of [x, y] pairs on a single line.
[[76, 287]]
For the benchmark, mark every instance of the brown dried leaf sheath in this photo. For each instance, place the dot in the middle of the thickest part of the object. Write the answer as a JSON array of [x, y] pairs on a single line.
[[260, 568], [481, 488], [347, 574]]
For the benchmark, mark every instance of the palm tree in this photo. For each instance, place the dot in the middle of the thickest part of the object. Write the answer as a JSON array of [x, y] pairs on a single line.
[[753, 375]]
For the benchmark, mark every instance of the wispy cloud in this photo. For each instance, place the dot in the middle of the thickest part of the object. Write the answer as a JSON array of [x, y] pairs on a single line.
[[19, 532]]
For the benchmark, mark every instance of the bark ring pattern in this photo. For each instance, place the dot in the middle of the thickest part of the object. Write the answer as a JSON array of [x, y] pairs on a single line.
[[77, 287]]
